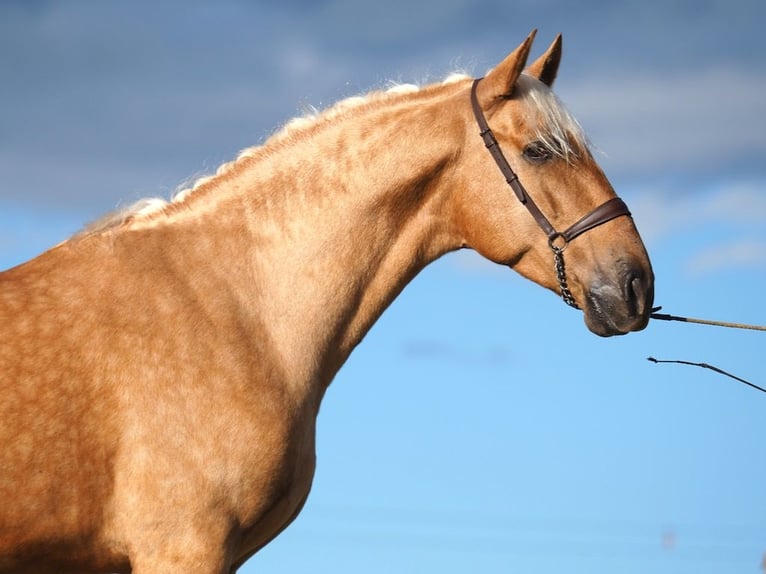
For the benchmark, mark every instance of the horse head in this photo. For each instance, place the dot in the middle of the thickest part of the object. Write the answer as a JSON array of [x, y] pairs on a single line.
[[544, 199]]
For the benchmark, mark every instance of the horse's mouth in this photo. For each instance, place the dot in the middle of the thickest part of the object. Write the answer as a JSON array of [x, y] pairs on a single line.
[[611, 310]]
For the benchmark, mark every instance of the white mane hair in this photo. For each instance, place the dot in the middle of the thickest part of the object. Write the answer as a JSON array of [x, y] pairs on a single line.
[[556, 128]]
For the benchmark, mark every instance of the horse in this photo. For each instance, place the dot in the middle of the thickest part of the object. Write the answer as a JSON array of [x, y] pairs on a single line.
[[161, 370]]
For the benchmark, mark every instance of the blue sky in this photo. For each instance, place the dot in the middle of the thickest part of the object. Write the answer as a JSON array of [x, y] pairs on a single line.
[[479, 427]]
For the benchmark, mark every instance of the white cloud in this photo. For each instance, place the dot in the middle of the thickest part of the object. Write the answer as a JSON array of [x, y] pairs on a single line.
[[690, 119], [744, 253], [721, 227], [660, 211]]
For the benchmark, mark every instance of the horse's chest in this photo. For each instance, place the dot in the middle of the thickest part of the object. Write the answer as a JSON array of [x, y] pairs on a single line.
[[277, 490]]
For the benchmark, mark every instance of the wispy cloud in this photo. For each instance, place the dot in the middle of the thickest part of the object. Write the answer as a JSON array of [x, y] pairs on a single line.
[[745, 253], [664, 210], [723, 224], [697, 120], [205, 81]]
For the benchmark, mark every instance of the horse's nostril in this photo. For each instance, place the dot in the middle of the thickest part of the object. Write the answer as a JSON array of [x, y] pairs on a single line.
[[636, 293]]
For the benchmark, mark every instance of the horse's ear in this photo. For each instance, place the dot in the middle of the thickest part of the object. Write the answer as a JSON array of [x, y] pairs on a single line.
[[546, 66], [501, 80]]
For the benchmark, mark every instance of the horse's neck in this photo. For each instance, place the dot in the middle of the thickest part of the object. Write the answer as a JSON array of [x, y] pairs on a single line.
[[337, 223]]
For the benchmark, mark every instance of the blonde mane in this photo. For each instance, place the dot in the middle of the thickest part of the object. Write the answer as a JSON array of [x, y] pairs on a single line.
[[556, 128]]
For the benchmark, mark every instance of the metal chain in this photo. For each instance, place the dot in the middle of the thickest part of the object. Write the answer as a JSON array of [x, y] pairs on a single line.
[[566, 294]]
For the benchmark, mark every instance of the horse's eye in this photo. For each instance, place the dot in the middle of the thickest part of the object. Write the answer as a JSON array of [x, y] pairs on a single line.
[[537, 152]]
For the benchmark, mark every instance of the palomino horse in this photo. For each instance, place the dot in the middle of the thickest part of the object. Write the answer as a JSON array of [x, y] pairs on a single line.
[[161, 372]]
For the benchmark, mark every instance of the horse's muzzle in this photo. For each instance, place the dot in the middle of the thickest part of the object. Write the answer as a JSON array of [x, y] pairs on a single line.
[[621, 303]]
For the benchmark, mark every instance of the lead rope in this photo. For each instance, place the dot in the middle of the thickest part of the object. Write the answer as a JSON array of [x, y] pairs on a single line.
[[666, 317], [711, 367]]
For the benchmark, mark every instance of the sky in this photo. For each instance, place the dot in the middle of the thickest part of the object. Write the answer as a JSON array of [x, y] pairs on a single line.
[[479, 427]]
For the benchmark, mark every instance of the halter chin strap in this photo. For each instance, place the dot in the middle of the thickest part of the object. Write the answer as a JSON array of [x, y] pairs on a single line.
[[557, 240]]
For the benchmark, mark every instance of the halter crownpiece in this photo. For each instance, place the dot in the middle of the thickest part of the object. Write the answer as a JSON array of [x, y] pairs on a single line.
[[557, 240]]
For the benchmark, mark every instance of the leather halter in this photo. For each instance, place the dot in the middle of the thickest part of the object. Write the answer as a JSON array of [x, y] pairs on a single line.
[[557, 240]]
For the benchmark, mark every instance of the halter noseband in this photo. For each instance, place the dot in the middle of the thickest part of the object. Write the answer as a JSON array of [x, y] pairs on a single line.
[[557, 240]]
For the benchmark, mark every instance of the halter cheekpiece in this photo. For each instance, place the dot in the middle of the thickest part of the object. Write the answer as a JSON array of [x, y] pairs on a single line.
[[557, 240]]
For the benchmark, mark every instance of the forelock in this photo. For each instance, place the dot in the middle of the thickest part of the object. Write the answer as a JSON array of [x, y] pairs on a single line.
[[554, 125]]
